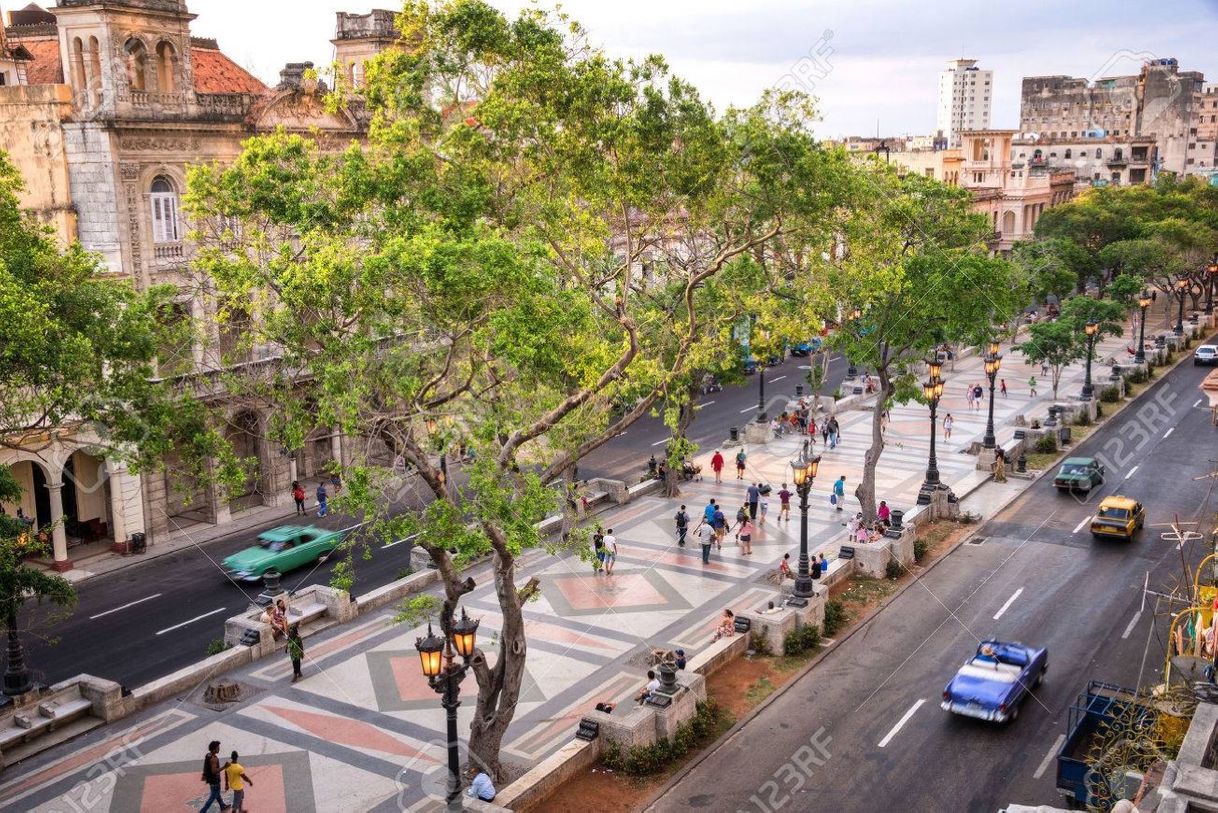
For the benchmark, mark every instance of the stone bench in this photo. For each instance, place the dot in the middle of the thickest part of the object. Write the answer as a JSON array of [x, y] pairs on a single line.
[[41, 719]]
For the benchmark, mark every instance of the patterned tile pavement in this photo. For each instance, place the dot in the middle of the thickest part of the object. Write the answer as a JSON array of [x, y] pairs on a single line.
[[362, 730]]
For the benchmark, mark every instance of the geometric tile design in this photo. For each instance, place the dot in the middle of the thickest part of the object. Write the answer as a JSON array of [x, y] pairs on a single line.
[[344, 731], [626, 591], [399, 685], [281, 782]]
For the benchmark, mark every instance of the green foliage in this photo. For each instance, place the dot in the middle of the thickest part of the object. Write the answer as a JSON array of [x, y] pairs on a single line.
[[803, 638], [1109, 395], [893, 570], [416, 609], [1046, 444], [18, 580], [216, 646], [835, 617], [1083, 418], [645, 760], [760, 643], [1137, 376], [920, 548]]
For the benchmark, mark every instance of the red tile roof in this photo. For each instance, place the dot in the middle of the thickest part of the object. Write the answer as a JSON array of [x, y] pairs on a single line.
[[216, 73], [213, 71]]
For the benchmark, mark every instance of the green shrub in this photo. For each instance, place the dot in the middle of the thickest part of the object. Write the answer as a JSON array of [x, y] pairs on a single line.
[[837, 394], [760, 644], [893, 569], [1046, 444], [921, 548], [649, 759], [1099, 410], [1082, 419], [801, 640], [1110, 395], [404, 572], [216, 647], [1138, 376], [835, 617]]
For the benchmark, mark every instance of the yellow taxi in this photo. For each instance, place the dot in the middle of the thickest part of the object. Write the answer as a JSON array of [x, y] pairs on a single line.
[[1118, 516]]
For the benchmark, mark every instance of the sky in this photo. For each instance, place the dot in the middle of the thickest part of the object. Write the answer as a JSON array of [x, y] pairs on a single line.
[[873, 64]]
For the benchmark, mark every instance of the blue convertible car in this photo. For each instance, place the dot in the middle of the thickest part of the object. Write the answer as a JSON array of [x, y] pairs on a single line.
[[991, 685]]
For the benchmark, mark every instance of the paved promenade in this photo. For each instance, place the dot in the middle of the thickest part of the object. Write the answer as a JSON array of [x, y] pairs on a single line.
[[360, 732]]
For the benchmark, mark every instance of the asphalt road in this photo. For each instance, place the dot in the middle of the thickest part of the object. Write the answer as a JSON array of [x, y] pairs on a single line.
[[148, 620], [873, 703]]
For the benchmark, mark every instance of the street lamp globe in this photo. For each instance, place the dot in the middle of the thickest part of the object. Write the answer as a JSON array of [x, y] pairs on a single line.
[[928, 389], [1212, 268], [938, 389], [1091, 327], [994, 348], [992, 364], [431, 649], [465, 634], [1182, 284], [934, 367], [1145, 299]]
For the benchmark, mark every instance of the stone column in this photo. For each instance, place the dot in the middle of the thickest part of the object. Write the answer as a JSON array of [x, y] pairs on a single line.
[[336, 446], [59, 534], [292, 478], [116, 471]]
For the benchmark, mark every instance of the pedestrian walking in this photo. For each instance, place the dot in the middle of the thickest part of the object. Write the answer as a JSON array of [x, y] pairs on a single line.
[[336, 483], [322, 500], [706, 538], [610, 551], [1032, 386], [834, 431], [968, 396], [742, 513], [763, 508], [295, 651], [682, 520], [235, 780], [824, 432], [746, 537], [1044, 368], [1002, 387], [598, 550], [298, 497], [784, 503], [717, 465], [948, 423], [978, 396], [211, 775], [741, 457], [708, 513], [839, 492], [719, 523], [754, 497]]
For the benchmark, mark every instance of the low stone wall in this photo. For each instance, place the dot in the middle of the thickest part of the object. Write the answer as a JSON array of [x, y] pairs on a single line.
[[546, 776], [187, 679], [394, 592], [717, 655]]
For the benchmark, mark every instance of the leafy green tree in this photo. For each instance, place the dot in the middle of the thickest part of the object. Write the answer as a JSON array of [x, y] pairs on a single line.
[[916, 268], [1052, 266], [1064, 341], [524, 258]]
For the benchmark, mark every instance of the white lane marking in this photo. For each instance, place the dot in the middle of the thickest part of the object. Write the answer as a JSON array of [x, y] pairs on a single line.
[[1079, 527], [1007, 606], [661, 442], [191, 621], [1131, 471], [1133, 622], [750, 409], [900, 723], [1168, 432], [125, 606], [708, 403], [400, 541], [1198, 402], [1044, 763], [779, 378]]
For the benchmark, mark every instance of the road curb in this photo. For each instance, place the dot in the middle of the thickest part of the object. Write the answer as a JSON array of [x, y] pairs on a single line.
[[870, 617]]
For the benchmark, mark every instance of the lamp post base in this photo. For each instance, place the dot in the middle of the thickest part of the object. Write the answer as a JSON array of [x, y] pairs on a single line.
[[803, 588]]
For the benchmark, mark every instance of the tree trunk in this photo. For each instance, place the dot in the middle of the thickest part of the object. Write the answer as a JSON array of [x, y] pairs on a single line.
[[865, 492], [685, 418]]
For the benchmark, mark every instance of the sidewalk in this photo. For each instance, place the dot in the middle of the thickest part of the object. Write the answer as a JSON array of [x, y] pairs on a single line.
[[363, 731]]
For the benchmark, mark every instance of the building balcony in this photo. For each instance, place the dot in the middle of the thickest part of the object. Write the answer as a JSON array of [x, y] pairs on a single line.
[[166, 253], [143, 98], [1038, 161], [1117, 161]]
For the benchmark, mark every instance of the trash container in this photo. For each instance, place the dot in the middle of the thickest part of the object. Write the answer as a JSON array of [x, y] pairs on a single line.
[[799, 390], [1063, 435], [733, 435], [897, 517], [270, 581], [139, 543]]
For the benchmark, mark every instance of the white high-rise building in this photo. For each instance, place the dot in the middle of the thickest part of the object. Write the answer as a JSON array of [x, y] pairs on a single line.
[[965, 98]]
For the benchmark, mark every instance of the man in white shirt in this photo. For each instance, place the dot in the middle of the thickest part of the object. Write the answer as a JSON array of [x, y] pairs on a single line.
[[481, 786], [610, 551], [653, 685], [706, 537]]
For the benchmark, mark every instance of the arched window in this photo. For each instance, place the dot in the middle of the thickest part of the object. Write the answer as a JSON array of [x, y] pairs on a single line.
[[1068, 152], [78, 64], [164, 200], [166, 59], [1117, 153], [1099, 153], [137, 64]]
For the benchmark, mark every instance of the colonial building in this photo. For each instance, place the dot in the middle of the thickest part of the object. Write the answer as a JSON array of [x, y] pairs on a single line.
[[1203, 135], [103, 106], [966, 97], [1104, 124]]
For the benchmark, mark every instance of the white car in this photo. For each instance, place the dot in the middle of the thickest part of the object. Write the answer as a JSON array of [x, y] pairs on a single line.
[[1206, 354]]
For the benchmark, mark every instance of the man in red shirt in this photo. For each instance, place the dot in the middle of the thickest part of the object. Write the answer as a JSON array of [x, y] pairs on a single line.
[[784, 503], [717, 465]]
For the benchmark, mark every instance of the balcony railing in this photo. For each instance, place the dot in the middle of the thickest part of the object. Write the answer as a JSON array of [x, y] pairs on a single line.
[[168, 252], [1118, 161], [143, 98]]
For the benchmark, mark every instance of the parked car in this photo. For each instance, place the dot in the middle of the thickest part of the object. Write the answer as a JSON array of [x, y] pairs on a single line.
[[807, 348], [282, 549], [1206, 354], [991, 685], [1079, 474], [1118, 516]]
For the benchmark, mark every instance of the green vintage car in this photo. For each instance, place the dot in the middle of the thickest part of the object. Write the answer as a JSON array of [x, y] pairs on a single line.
[[282, 549], [1079, 474]]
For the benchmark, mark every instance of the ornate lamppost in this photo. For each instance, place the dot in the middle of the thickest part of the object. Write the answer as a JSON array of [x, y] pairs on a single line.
[[1211, 272], [1182, 286], [761, 365], [993, 362], [852, 372], [932, 390], [444, 675], [1143, 302], [803, 472], [1091, 329]]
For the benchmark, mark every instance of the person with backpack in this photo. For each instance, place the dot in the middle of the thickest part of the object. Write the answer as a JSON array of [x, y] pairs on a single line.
[[754, 498], [211, 776], [682, 520], [719, 523], [322, 500], [598, 549], [741, 457], [298, 497]]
